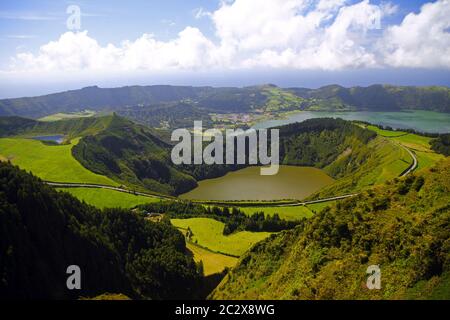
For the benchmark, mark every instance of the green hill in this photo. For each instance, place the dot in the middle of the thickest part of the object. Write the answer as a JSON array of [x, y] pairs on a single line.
[[44, 231], [132, 154], [72, 128], [402, 226], [136, 100]]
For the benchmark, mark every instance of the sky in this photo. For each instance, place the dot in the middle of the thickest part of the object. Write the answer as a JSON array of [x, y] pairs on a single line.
[[49, 46]]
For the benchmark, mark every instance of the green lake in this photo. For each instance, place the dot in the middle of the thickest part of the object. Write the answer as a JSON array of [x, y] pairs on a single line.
[[247, 184], [419, 120]]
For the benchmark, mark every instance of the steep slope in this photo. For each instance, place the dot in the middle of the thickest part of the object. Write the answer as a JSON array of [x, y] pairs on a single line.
[[43, 231], [354, 156], [402, 226], [131, 154]]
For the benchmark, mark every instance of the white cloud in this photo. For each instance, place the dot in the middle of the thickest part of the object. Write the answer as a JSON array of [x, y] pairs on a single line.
[[421, 40], [295, 34], [331, 36], [78, 51]]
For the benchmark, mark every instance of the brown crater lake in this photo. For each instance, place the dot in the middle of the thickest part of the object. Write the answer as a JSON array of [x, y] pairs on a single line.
[[291, 182]]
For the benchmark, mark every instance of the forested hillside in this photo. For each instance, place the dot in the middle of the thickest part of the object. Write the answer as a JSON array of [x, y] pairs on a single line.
[[375, 98], [44, 231], [136, 100], [131, 154], [442, 144], [402, 226]]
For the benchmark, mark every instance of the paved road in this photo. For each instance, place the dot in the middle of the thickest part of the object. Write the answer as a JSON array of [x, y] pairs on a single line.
[[413, 166], [100, 186]]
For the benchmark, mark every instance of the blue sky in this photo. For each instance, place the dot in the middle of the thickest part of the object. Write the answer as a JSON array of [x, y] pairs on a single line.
[[241, 42]]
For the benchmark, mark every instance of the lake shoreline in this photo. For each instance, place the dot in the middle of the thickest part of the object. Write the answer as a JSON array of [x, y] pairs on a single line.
[[291, 182]]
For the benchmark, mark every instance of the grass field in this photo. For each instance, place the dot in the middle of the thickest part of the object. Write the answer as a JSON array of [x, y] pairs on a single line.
[[420, 145], [317, 207], [386, 133], [212, 262], [63, 116], [288, 213], [49, 162], [414, 142], [104, 198], [208, 233], [280, 100], [387, 160]]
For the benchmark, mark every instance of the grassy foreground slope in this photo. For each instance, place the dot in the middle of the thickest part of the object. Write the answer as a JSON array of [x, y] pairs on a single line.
[[212, 262], [49, 162], [104, 198], [402, 226], [208, 233]]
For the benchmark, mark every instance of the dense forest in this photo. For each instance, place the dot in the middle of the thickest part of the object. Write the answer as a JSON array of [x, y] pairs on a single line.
[[402, 226], [441, 144], [318, 142], [44, 231]]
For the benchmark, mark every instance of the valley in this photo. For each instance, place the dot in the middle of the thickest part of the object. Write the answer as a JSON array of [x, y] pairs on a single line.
[[224, 214], [208, 233]]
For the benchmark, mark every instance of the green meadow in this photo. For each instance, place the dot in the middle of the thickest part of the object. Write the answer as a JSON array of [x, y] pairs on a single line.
[[64, 116], [49, 162], [208, 233], [104, 198], [212, 262], [418, 144], [317, 207], [386, 133]]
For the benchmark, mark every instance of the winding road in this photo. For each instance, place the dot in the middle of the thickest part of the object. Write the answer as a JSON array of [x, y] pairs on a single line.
[[413, 166], [407, 171]]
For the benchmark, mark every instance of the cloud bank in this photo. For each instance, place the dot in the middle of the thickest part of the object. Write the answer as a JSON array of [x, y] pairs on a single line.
[[294, 34]]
